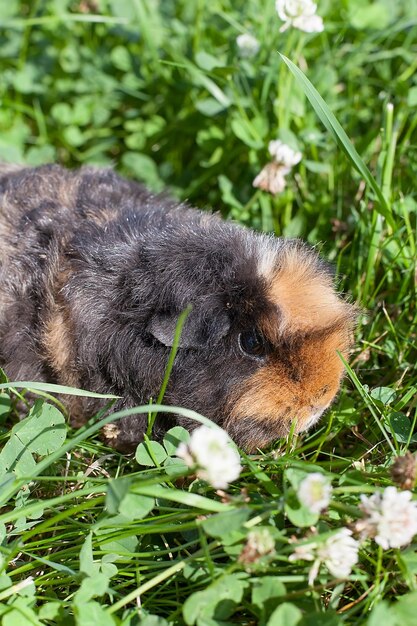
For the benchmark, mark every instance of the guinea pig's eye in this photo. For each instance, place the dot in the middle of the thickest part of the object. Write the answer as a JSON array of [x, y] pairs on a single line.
[[252, 342]]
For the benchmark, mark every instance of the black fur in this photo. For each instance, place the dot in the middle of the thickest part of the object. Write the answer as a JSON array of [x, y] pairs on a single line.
[[118, 265], [127, 280]]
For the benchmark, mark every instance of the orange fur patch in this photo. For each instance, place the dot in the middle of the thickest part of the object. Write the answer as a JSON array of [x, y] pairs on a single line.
[[297, 384], [305, 295], [57, 342], [309, 324]]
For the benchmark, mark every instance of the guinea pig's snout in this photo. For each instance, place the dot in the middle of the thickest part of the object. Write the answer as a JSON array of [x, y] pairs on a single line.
[[273, 398], [313, 414]]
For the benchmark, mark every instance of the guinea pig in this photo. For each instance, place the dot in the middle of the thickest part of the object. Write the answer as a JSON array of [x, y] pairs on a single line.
[[94, 273]]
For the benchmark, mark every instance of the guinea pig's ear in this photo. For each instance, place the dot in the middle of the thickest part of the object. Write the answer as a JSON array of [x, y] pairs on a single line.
[[201, 328]]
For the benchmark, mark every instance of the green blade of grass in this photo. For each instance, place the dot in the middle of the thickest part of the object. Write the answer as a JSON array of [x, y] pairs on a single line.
[[164, 575], [177, 336], [52, 388], [182, 497], [368, 402], [329, 120]]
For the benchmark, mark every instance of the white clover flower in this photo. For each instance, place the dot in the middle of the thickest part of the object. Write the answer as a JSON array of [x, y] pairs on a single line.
[[283, 154], [300, 14], [261, 541], [339, 553], [211, 452], [272, 176], [248, 45], [314, 492], [391, 517], [304, 552]]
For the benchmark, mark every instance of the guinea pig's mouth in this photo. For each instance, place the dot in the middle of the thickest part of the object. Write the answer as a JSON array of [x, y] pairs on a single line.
[[252, 433], [312, 419]]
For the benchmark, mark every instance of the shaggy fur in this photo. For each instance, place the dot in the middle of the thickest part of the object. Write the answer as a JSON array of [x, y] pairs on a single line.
[[94, 272]]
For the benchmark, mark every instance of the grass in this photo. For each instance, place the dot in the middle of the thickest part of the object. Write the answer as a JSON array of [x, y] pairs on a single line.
[[159, 90]]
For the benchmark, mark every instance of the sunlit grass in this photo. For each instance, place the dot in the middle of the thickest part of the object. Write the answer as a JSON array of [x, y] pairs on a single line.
[[160, 91]]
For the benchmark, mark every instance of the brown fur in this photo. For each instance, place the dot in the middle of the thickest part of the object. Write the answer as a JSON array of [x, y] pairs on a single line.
[[58, 344]]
